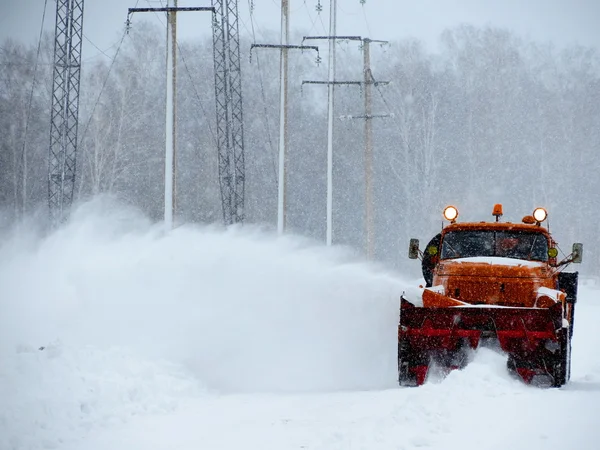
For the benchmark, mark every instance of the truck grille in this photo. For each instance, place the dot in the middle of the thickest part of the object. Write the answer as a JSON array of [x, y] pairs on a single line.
[[494, 292]]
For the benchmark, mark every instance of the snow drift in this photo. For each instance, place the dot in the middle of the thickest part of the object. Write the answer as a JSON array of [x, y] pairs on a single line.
[[130, 314], [242, 309]]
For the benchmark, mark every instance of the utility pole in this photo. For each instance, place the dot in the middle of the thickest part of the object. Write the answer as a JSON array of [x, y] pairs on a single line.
[[171, 119], [368, 79], [284, 46], [170, 180], [330, 105], [65, 108], [283, 115], [367, 83]]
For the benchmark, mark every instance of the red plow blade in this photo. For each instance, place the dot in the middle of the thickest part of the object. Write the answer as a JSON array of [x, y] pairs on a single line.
[[532, 338]]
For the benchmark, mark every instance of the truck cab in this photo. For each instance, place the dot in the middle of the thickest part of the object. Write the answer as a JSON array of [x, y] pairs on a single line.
[[490, 281], [495, 263]]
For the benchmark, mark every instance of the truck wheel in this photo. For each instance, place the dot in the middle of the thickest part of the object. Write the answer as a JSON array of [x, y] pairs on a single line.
[[411, 368], [405, 377]]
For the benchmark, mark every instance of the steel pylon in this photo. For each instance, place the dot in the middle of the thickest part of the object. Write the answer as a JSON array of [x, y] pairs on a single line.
[[65, 107], [228, 93]]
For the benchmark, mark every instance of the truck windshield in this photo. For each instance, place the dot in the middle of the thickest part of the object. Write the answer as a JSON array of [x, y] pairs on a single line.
[[509, 244]]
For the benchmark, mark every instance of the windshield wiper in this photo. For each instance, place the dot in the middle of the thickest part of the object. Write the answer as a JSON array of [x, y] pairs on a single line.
[[532, 245], [452, 248]]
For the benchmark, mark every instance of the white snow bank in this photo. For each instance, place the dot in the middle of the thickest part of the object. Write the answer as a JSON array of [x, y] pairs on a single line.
[[57, 395], [586, 338], [478, 408]]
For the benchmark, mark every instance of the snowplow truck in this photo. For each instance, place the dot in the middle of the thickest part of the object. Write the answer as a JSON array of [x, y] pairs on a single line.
[[496, 284]]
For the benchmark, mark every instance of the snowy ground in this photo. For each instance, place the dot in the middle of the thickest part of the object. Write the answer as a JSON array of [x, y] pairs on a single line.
[[204, 339]]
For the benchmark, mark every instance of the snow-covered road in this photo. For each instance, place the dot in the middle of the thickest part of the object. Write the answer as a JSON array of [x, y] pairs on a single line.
[[226, 340], [479, 408]]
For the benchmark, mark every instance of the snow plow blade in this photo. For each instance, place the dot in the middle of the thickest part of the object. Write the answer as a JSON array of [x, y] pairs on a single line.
[[535, 339]]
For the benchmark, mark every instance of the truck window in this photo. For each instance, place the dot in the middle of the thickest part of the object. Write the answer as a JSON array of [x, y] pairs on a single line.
[[509, 244]]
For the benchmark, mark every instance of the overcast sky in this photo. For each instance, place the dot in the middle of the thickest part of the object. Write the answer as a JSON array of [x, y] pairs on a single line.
[[563, 22]]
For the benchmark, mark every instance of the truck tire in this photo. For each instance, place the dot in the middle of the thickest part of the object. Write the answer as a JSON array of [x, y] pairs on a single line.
[[405, 377], [408, 365]]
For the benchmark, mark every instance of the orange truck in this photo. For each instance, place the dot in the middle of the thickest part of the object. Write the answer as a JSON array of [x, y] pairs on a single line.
[[496, 284]]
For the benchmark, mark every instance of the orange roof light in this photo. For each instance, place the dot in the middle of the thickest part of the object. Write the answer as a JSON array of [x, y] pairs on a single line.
[[497, 211], [450, 214]]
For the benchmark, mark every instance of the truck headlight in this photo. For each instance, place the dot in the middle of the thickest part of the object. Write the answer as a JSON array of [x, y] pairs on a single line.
[[540, 214], [450, 213]]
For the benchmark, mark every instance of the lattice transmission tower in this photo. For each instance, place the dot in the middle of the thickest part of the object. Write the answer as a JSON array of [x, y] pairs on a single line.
[[65, 107], [228, 93]]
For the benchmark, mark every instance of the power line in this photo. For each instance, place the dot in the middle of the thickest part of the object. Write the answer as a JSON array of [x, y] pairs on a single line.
[[155, 13], [103, 86], [196, 93], [391, 113], [125, 32], [23, 154], [91, 58], [95, 46], [262, 90], [37, 57], [365, 16], [313, 21], [322, 24], [98, 48]]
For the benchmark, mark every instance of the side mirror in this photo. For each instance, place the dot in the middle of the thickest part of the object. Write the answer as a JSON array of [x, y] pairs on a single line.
[[413, 249], [577, 253]]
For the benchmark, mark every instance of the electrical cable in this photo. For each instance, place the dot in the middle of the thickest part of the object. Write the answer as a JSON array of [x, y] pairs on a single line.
[[314, 21], [102, 89], [384, 99], [196, 94], [98, 48], [155, 13], [194, 88], [262, 91], [87, 125], [366, 21], [29, 102], [325, 29]]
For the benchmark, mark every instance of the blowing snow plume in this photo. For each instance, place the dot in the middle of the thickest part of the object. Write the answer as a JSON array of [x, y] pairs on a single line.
[[241, 309]]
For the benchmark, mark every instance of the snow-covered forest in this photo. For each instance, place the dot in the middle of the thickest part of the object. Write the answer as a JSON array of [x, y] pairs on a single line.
[[489, 118]]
